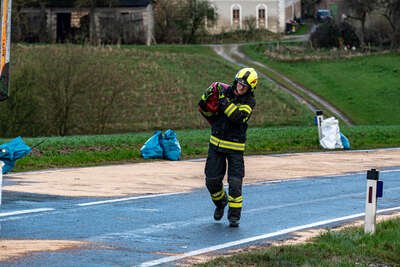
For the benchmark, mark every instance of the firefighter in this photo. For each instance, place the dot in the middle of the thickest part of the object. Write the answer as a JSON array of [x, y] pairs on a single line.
[[228, 108]]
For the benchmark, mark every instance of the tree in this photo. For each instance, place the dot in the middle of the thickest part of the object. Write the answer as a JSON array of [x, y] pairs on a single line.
[[200, 11], [359, 10], [182, 20], [24, 28], [392, 14], [308, 7], [166, 19]]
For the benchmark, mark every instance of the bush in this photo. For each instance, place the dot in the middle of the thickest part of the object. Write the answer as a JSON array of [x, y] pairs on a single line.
[[378, 32], [326, 35], [329, 35], [349, 36]]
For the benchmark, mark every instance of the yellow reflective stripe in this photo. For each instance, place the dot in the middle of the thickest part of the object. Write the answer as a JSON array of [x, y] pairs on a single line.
[[219, 195], [207, 113], [246, 108], [226, 144], [235, 202], [235, 205], [230, 109], [237, 199]]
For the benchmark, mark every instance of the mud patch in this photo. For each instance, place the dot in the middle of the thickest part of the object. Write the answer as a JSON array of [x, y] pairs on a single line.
[[168, 177], [12, 249]]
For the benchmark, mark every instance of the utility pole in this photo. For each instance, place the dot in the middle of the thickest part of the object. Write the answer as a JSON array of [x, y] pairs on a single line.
[[5, 48]]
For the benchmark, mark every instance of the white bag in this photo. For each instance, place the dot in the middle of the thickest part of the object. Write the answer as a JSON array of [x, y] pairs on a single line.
[[330, 134]]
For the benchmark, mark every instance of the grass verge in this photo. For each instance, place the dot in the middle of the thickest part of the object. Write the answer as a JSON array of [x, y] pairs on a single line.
[[348, 247], [85, 150]]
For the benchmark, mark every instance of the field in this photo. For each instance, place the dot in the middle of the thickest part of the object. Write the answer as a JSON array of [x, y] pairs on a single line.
[[364, 88], [69, 90]]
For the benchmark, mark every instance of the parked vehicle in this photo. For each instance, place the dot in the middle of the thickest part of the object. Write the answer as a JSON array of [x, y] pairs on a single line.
[[323, 15]]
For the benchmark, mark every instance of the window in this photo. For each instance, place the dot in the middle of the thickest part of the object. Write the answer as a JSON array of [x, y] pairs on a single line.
[[236, 15], [261, 22], [261, 14]]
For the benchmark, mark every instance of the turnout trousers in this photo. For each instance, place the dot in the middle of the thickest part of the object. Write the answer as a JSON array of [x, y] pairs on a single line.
[[217, 161]]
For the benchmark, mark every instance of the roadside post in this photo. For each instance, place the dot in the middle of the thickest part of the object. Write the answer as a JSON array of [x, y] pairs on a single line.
[[318, 120], [1, 178], [374, 190]]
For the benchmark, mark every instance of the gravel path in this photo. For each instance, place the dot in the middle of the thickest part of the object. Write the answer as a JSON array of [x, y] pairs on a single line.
[[232, 54]]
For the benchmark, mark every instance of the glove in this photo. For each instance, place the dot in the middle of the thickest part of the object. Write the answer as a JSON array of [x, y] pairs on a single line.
[[222, 100], [221, 94], [207, 93], [203, 105]]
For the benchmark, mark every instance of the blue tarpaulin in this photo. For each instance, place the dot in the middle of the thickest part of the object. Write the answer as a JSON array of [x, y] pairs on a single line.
[[11, 151], [160, 146], [152, 149], [171, 146]]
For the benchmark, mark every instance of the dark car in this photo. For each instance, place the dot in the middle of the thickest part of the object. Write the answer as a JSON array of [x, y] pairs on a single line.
[[323, 15]]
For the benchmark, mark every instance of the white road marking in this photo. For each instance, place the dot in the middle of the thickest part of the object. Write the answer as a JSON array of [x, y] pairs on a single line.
[[126, 199], [19, 212], [317, 200], [256, 238]]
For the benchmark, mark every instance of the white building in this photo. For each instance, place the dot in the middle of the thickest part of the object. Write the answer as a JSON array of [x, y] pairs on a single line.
[[269, 14]]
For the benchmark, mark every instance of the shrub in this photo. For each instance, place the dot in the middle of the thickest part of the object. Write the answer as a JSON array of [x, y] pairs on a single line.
[[378, 32], [326, 35], [349, 35]]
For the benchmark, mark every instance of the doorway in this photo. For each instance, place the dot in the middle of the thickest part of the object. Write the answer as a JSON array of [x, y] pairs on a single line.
[[63, 27]]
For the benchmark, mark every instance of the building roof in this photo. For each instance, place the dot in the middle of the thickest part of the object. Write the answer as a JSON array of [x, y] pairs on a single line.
[[100, 3]]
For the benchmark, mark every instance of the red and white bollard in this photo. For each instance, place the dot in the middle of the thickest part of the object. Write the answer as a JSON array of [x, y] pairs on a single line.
[[374, 190]]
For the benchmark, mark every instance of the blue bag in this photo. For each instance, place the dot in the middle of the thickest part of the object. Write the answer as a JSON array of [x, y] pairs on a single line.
[[170, 143], [345, 141], [152, 148], [11, 151]]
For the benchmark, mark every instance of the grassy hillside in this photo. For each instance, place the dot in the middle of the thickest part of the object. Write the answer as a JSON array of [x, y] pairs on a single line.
[[366, 89], [66, 90]]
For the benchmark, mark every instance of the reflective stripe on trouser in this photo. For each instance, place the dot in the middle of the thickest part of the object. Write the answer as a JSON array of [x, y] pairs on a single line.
[[219, 198], [235, 202], [227, 144]]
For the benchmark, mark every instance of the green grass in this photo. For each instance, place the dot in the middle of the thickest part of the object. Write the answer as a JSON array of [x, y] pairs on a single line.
[[75, 151], [366, 89], [70, 90], [349, 247]]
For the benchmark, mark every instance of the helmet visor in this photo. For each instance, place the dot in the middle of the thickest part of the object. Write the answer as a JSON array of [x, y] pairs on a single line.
[[243, 82]]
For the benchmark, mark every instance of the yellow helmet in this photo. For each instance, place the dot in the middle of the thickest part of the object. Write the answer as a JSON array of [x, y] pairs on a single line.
[[247, 76]]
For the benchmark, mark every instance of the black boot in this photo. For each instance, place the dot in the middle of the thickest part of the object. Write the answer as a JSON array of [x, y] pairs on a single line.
[[219, 210], [233, 223], [234, 216]]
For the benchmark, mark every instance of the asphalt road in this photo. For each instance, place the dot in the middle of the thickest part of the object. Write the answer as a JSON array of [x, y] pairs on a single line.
[[166, 229]]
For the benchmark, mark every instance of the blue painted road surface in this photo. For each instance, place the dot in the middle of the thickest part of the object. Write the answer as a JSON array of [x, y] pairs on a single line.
[[166, 229]]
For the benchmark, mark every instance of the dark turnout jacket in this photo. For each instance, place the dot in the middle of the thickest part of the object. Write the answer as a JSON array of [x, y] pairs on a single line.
[[229, 124]]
